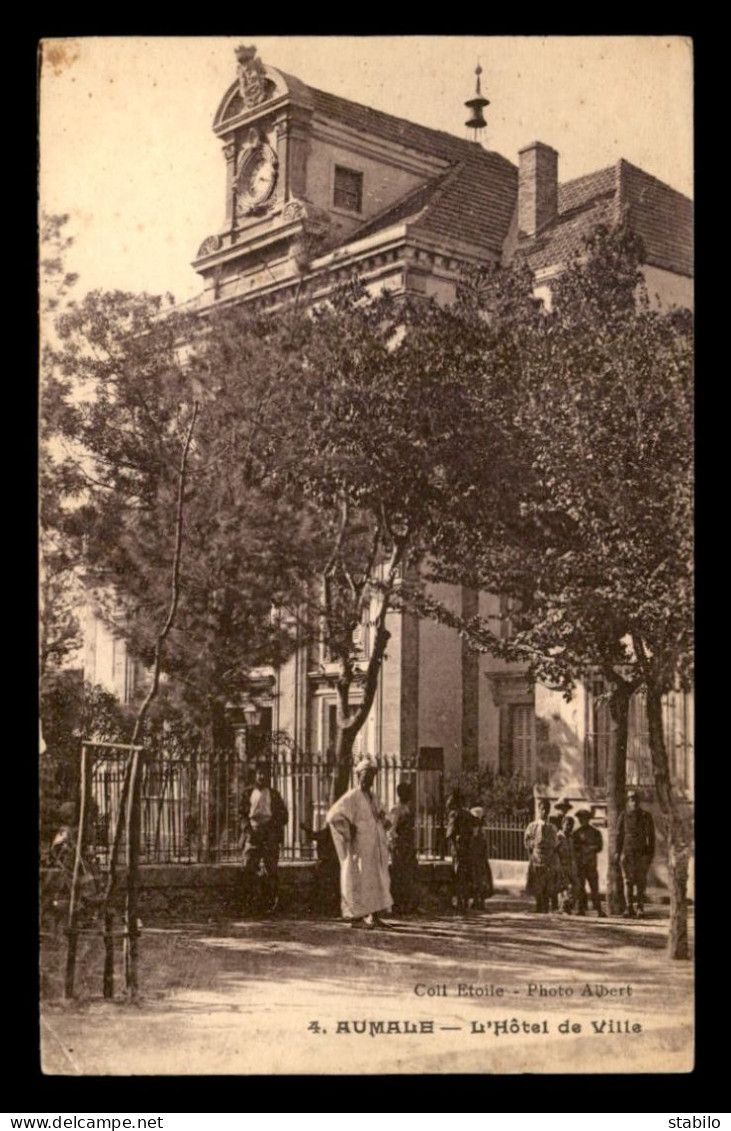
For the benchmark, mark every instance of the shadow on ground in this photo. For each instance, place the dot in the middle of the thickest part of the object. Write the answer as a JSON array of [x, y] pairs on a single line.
[[506, 945]]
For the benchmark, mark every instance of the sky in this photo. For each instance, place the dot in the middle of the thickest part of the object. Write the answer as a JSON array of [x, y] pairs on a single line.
[[127, 148]]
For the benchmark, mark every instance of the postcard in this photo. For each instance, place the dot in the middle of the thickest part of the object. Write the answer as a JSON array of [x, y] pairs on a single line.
[[366, 639]]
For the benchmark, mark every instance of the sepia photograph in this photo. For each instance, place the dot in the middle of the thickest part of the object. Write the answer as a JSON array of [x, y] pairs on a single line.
[[366, 465]]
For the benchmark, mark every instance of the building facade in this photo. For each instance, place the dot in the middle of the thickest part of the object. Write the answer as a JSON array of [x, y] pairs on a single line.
[[315, 189]]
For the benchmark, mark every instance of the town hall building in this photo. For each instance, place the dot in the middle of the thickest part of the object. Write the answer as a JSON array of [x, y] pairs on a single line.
[[316, 189]]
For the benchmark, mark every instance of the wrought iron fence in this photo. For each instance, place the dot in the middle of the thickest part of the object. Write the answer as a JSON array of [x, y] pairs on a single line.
[[191, 809], [505, 837]]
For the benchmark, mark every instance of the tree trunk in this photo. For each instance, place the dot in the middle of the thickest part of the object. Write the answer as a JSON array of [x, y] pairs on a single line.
[[81, 840], [218, 780], [344, 744], [349, 726], [111, 885], [131, 920], [616, 786], [134, 806], [678, 847]]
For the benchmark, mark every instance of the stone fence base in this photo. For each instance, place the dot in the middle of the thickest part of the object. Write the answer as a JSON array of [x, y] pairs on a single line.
[[174, 892]]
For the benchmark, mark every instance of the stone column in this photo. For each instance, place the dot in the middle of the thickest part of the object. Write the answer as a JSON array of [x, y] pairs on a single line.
[[229, 152], [293, 143]]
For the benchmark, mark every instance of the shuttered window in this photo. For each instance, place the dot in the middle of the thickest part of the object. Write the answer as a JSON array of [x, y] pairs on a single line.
[[348, 189]]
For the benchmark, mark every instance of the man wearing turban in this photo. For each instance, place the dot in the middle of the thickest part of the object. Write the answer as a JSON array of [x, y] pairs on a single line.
[[358, 826]]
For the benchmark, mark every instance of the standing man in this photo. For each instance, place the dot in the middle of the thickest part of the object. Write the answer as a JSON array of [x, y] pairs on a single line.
[[635, 850], [358, 826], [483, 887], [588, 843], [404, 864], [566, 884], [264, 818], [460, 825], [541, 840]]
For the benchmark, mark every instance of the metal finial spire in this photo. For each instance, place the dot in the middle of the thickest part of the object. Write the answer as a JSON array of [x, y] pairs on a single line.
[[476, 121]]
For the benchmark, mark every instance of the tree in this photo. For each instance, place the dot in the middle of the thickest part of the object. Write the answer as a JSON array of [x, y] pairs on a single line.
[[60, 634], [124, 378], [591, 534], [69, 708], [370, 413]]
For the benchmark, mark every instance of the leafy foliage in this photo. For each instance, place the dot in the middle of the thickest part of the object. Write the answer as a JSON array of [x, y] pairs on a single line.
[[592, 534], [71, 709], [500, 795], [128, 371]]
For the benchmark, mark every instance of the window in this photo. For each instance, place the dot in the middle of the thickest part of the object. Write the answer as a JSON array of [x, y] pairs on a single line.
[[600, 731], [522, 731], [517, 739], [639, 763], [259, 737], [348, 189], [507, 606]]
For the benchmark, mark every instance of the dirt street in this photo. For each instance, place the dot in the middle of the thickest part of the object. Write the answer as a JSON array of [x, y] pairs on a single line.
[[501, 992]]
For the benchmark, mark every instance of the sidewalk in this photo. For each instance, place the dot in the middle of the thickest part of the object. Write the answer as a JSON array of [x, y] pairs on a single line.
[[288, 995]]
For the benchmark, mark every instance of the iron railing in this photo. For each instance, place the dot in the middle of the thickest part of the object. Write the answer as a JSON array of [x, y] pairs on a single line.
[[191, 808], [505, 837]]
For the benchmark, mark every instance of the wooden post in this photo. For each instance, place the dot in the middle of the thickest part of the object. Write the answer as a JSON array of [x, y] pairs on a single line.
[[119, 824], [134, 803], [131, 921], [73, 932]]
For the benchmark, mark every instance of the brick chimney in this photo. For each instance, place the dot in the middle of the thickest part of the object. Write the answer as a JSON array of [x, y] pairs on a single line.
[[537, 187]]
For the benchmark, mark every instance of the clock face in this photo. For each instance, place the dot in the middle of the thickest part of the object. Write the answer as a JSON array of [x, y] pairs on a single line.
[[256, 178]]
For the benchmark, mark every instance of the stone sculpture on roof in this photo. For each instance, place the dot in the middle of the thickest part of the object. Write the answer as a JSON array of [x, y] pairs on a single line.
[[253, 83]]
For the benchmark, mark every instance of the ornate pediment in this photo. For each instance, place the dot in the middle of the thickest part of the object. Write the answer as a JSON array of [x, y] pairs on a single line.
[[255, 87], [510, 688]]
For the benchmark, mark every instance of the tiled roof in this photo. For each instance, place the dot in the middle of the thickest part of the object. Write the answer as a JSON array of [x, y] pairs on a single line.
[[476, 206], [406, 208], [364, 119], [583, 190], [660, 216], [472, 203], [565, 237]]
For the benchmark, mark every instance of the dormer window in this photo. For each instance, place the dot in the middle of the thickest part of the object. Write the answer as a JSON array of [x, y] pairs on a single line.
[[348, 189]]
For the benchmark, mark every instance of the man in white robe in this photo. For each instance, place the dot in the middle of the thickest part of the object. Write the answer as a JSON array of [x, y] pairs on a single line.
[[358, 826]]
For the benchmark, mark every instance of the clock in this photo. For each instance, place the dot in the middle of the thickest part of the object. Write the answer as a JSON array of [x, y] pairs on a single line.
[[256, 178]]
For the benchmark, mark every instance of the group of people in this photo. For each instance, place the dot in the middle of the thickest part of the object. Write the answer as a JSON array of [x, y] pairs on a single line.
[[562, 858], [354, 848], [472, 875], [374, 852]]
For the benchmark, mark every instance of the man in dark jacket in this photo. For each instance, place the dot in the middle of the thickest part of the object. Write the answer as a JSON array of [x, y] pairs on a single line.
[[460, 824], [635, 850], [264, 817], [588, 844], [402, 842]]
